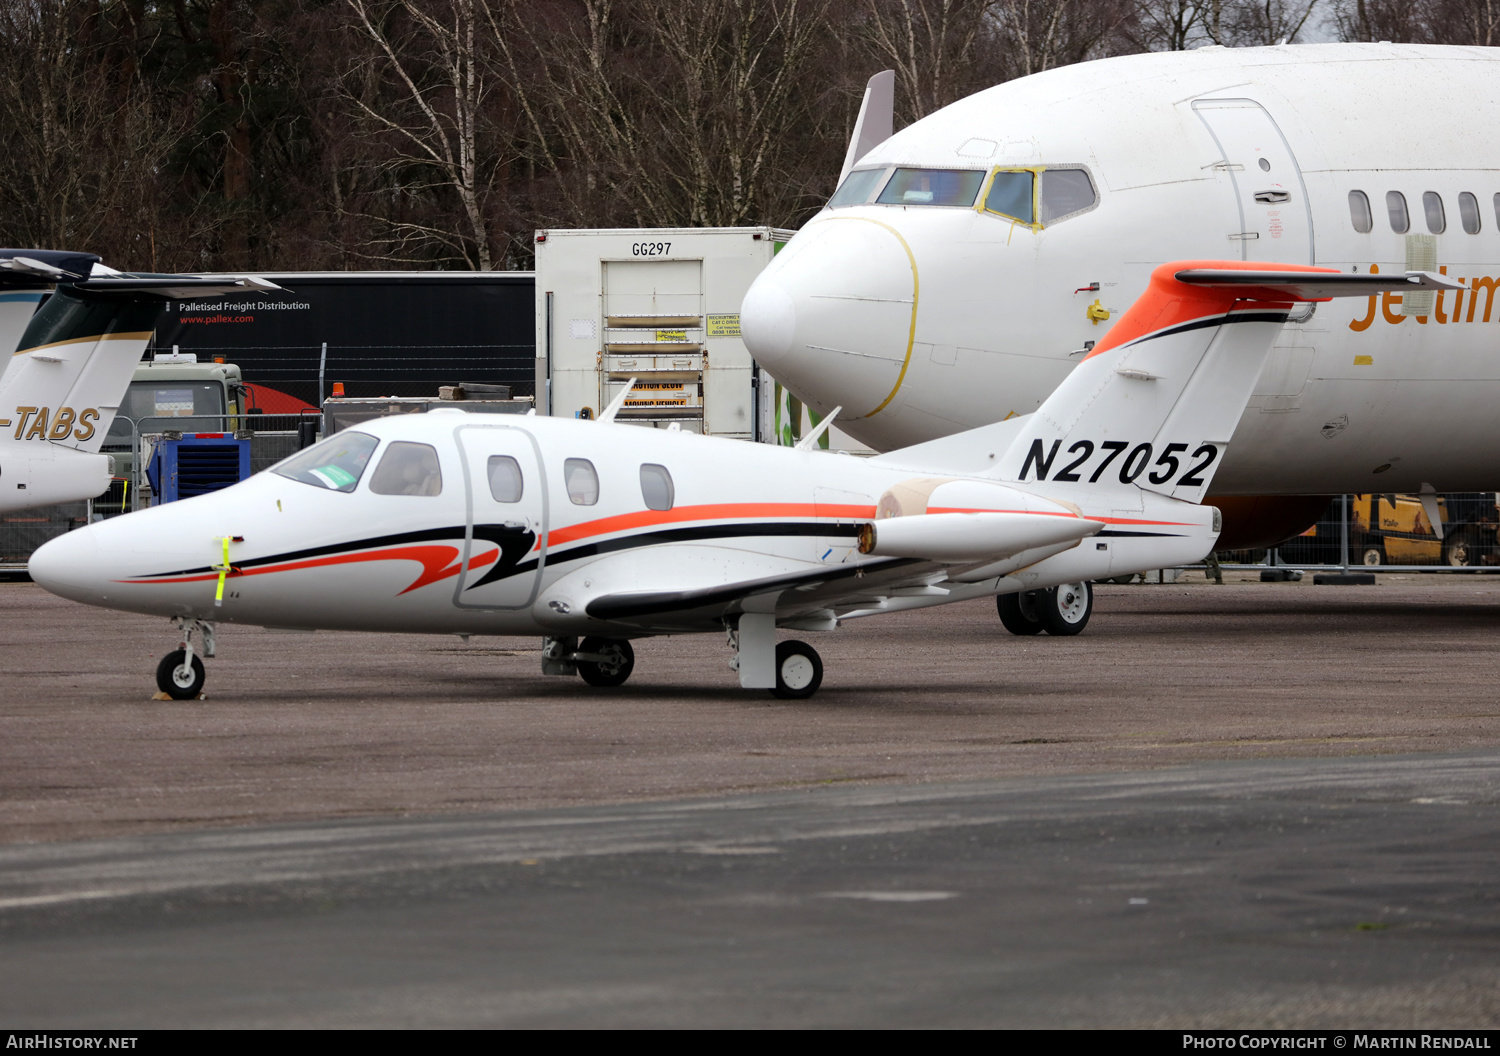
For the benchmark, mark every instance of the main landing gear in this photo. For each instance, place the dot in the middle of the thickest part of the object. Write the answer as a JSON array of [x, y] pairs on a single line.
[[180, 674], [790, 670], [1063, 610], [604, 662]]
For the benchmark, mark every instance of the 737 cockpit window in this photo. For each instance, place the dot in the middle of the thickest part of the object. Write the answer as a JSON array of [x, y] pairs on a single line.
[[932, 187], [408, 469], [856, 188], [336, 464], [1065, 192], [582, 481], [1011, 195]]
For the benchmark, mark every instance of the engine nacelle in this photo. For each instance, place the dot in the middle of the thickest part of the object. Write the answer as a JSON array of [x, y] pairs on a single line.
[[957, 538], [40, 474]]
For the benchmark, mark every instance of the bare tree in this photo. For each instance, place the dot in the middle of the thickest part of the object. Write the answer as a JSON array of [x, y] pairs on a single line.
[[83, 140], [425, 84]]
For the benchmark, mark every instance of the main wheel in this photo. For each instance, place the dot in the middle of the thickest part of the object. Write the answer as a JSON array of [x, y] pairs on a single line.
[[178, 680], [1018, 612], [1372, 555], [1461, 551], [1065, 610], [614, 669], [799, 671]]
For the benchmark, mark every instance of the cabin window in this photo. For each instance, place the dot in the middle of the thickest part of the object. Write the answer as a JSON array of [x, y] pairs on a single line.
[[336, 464], [932, 187], [1065, 192], [856, 188], [1010, 195], [1395, 207], [1497, 210], [582, 481], [506, 484], [656, 487], [1432, 206], [1468, 213], [1359, 212], [408, 469]]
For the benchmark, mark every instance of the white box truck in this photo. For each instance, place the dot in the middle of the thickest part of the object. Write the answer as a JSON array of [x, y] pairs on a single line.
[[661, 306]]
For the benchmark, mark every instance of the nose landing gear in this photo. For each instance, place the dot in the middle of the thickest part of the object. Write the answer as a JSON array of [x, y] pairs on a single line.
[[598, 661], [180, 675]]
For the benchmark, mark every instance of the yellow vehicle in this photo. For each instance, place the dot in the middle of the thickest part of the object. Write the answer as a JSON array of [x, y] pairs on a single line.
[[1395, 530]]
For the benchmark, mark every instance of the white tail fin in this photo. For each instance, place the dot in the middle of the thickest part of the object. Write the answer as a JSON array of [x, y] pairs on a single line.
[[1154, 405]]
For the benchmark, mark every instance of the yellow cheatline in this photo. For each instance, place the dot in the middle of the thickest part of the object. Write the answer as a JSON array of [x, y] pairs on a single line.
[[133, 335], [911, 333]]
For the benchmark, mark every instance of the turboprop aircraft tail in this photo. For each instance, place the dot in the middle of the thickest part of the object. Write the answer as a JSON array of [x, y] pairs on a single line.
[[1154, 405], [75, 359]]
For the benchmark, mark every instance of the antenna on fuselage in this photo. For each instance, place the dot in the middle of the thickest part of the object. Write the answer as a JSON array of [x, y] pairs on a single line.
[[608, 414], [808, 441]]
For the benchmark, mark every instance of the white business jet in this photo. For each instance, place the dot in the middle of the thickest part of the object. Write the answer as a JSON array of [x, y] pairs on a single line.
[[68, 363], [967, 263], [464, 524]]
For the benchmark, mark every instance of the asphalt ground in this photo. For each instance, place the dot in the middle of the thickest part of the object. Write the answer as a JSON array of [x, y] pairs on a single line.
[[1263, 894], [332, 725], [1255, 805]]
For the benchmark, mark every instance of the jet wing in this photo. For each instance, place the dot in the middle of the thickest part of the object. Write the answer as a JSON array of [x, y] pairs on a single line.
[[1314, 285], [694, 587]]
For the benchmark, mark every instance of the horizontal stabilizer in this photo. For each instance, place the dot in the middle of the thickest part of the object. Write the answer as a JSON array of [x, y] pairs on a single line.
[[43, 266], [957, 538], [1259, 284], [177, 286]]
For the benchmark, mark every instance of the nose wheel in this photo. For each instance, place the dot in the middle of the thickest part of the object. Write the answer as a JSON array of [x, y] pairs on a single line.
[[180, 675]]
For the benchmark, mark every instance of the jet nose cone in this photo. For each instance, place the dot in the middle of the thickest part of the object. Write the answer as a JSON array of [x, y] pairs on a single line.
[[69, 566], [833, 316], [768, 321]]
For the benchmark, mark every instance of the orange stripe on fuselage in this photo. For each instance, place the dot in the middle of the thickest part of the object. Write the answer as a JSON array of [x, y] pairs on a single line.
[[1168, 303], [723, 511], [435, 562]]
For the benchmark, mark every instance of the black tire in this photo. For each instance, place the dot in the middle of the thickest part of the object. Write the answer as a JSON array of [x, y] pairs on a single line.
[[1372, 556], [1018, 612], [175, 684], [1065, 610], [799, 671], [1462, 550], [611, 672]]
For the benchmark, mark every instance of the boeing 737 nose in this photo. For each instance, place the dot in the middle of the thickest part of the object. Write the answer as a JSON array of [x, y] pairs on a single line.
[[797, 323]]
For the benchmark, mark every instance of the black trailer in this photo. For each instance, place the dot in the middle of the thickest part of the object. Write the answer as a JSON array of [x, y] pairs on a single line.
[[376, 333]]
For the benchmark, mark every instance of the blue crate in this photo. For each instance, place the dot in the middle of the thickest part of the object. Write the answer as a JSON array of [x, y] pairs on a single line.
[[196, 464]]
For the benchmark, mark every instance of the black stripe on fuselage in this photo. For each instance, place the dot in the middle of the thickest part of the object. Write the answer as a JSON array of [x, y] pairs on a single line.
[[501, 534]]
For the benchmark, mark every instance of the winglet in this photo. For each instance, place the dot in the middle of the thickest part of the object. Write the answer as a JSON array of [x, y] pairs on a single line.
[[876, 122], [807, 442], [608, 414]]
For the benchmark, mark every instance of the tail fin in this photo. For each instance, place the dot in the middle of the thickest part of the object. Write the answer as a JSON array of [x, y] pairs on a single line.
[[1155, 403], [26, 275], [79, 351]]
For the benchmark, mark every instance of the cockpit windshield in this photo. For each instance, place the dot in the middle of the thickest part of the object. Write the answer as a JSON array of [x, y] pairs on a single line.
[[336, 464], [932, 187], [856, 188]]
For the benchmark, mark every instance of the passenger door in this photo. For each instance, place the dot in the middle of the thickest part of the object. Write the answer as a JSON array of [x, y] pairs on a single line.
[[1272, 219], [506, 504]]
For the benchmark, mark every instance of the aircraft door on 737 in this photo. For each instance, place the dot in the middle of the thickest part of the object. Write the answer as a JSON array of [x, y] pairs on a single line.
[[505, 496], [1271, 219]]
